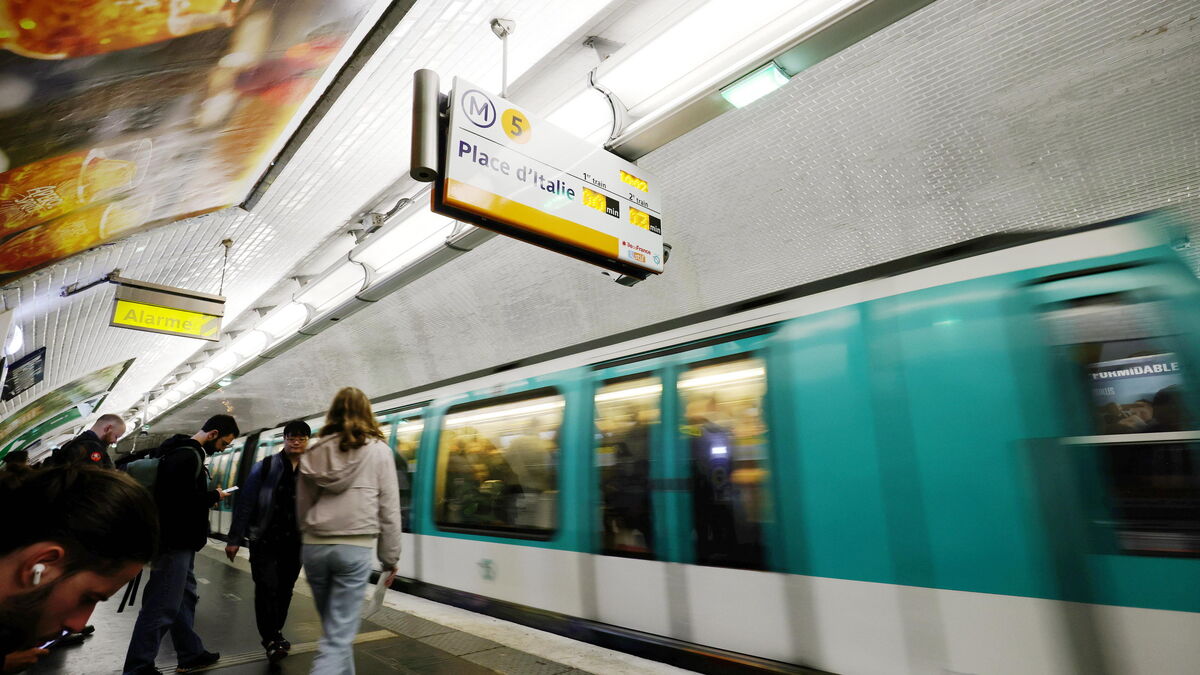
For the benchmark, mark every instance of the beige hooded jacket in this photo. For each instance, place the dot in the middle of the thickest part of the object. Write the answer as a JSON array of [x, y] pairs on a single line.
[[351, 492]]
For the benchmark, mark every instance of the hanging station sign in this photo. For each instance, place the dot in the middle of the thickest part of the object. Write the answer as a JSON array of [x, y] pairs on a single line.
[[504, 169], [154, 308], [25, 374]]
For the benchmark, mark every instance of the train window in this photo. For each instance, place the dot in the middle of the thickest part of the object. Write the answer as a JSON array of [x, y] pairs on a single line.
[[408, 439], [626, 410], [1123, 354], [498, 465], [725, 434], [265, 448]]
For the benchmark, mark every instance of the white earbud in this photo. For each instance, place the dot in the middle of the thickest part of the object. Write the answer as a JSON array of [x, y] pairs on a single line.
[[37, 573]]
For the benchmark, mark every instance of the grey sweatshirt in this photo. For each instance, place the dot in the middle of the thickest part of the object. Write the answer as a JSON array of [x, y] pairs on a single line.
[[352, 492]]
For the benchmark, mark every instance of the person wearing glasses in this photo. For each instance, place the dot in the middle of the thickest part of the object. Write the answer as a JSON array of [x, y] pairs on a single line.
[[264, 514]]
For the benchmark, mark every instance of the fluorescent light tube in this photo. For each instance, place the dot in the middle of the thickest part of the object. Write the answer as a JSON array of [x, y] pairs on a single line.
[[387, 252], [701, 51], [339, 284], [754, 86], [283, 321]]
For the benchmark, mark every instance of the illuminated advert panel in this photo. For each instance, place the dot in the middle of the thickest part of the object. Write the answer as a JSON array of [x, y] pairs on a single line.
[[511, 168]]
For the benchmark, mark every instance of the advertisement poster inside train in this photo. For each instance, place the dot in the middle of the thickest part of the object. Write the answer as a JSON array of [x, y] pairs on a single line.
[[1138, 395], [71, 394], [117, 115]]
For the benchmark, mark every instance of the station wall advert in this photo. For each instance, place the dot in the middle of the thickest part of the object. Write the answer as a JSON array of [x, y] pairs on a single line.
[[507, 165], [119, 115]]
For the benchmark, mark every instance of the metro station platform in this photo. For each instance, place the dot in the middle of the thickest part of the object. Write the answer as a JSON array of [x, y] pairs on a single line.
[[407, 635]]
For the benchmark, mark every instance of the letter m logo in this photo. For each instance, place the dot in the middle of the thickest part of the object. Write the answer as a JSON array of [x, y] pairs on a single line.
[[479, 108]]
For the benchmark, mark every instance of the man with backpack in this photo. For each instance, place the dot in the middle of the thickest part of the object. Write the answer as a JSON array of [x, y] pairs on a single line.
[[179, 481], [265, 514], [91, 447]]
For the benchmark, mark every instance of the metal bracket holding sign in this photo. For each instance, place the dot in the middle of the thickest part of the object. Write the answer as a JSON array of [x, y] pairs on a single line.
[[500, 168], [154, 308]]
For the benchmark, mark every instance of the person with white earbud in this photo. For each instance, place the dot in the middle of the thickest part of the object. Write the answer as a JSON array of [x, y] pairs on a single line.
[[82, 534]]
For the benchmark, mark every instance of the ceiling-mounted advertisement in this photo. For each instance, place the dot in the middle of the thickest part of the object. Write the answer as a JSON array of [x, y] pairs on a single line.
[[90, 386], [116, 115], [29, 439]]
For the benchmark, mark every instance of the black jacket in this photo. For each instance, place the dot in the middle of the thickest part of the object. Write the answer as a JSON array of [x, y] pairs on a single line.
[[254, 506], [182, 494], [86, 448]]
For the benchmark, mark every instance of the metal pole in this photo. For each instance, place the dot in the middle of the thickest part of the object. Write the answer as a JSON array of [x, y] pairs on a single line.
[[503, 28], [424, 154]]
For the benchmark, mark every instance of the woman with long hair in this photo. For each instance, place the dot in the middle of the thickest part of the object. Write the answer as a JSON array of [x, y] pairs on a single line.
[[347, 500]]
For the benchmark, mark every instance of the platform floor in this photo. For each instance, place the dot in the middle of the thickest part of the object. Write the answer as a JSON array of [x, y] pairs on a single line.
[[408, 635]]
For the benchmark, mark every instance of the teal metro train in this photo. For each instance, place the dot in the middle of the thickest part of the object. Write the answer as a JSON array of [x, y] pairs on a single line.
[[979, 460]]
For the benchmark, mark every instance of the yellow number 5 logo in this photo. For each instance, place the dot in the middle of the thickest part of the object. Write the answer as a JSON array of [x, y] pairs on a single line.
[[516, 125]]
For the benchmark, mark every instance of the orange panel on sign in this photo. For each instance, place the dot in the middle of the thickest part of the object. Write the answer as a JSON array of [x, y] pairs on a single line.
[[484, 203]]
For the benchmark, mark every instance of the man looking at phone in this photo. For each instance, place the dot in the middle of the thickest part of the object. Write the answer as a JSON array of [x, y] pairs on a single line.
[[265, 514], [169, 600]]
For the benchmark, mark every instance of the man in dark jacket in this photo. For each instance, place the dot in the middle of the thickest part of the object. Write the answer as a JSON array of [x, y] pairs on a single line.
[[91, 447], [265, 514], [183, 498]]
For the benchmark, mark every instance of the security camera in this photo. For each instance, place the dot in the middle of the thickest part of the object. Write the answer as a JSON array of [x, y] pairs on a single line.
[[503, 27]]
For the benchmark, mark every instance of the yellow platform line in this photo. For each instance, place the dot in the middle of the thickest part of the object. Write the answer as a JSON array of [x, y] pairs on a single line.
[[302, 648]]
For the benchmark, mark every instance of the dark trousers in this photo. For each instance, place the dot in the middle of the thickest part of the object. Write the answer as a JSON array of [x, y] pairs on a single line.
[[168, 605], [274, 569]]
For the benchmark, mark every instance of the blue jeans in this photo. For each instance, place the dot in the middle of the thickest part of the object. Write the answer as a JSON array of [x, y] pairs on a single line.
[[338, 576], [168, 605]]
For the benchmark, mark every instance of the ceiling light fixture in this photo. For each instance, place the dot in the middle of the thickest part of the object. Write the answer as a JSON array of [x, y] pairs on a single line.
[[404, 242], [283, 320], [754, 86], [16, 340], [334, 287]]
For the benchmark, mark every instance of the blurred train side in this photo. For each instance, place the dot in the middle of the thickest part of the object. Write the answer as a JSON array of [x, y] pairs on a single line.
[[930, 486]]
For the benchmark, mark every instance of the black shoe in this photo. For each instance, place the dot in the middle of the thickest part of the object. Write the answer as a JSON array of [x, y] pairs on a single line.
[[88, 630], [148, 670], [284, 644], [199, 663], [275, 652]]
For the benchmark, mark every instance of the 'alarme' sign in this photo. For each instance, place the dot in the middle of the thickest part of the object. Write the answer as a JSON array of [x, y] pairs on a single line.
[[141, 305], [507, 166], [141, 316]]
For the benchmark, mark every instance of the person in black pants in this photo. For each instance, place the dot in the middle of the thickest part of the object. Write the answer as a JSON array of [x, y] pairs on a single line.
[[265, 514]]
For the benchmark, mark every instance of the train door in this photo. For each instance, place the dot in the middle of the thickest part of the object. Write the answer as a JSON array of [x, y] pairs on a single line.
[[1119, 484], [630, 489], [681, 491], [725, 525], [403, 431]]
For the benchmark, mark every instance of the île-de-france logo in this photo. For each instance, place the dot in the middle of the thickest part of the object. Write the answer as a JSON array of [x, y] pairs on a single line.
[[479, 108]]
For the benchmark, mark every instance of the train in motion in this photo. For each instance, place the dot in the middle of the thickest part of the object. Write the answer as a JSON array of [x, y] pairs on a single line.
[[978, 460]]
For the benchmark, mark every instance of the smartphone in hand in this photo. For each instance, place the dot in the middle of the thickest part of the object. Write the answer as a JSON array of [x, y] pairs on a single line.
[[50, 643]]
